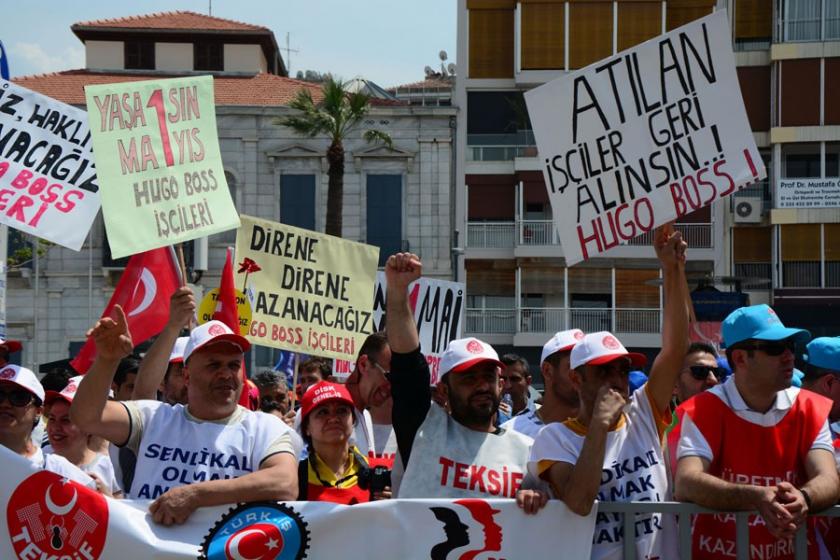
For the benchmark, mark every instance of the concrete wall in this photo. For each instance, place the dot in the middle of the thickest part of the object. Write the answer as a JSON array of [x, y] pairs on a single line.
[[174, 56], [74, 288], [244, 58], [101, 55]]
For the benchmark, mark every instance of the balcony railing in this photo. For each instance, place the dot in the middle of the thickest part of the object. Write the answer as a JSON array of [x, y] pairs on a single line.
[[491, 235], [491, 321], [801, 274], [501, 147], [553, 319], [506, 235], [755, 270]]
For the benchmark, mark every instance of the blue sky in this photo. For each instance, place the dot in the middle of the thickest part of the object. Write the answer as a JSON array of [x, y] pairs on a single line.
[[387, 41]]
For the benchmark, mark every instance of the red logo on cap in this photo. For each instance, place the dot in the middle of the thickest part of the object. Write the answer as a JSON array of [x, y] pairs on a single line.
[[52, 517], [611, 343], [579, 335], [7, 373], [71, 388], [216, 330], [474, 347]]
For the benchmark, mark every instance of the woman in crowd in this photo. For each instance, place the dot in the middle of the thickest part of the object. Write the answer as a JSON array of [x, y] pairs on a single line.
[[335, 471], [78, 447]]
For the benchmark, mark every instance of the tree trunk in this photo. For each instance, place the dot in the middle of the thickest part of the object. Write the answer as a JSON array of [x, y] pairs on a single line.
[[335, 192]]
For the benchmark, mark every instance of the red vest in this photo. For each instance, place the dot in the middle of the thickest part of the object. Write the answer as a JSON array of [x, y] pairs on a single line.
[[747, 453]]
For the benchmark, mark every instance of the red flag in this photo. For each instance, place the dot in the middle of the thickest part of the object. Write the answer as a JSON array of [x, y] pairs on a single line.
[[228, 313], [147, 283], [226, 310]]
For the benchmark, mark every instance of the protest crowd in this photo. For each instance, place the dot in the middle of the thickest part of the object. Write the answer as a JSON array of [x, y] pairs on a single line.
[[170, 427], [185, 424]]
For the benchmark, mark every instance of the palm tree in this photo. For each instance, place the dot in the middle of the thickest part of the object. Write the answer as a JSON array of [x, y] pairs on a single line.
[[338, 113]]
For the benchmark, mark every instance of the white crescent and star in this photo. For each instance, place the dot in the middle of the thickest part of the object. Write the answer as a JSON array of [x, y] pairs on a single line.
[[233, 545], [60, 510], [148, 281]]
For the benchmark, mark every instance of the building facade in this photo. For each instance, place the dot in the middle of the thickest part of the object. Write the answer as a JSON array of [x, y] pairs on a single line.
[[519, 289], [398, 199]]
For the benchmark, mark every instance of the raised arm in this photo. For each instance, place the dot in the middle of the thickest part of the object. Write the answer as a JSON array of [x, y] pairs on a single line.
[[670, 249], [401, 270], [91, 410], [154, 364]]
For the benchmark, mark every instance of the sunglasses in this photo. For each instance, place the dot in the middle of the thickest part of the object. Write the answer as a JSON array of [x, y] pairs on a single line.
[[17, 397], [702, 372], [776, 348]]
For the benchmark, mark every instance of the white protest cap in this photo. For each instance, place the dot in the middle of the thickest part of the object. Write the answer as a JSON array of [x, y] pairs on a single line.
[[464, 353], [561, 342], [600, 348], [177, 354], [212, 332], [67, 393], [22, 377]]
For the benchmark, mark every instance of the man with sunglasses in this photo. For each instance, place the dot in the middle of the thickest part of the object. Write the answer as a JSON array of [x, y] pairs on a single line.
[[369, 386], [21, 406], [755, 442], [612, 449]]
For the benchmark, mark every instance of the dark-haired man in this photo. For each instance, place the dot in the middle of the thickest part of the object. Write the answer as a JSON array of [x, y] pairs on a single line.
[[792, 471], [516, 381], [369, 386], [461, 454]]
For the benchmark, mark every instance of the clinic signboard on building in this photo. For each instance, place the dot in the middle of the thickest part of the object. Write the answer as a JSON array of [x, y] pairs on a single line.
[[808, 192]]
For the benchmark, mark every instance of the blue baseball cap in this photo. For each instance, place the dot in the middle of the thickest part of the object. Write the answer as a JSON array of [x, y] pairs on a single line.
[[824, 352], [637, 379], [757, 322]]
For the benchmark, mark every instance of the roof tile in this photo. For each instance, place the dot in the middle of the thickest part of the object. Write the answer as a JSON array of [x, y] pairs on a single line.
[[258, 90], [172, 20]]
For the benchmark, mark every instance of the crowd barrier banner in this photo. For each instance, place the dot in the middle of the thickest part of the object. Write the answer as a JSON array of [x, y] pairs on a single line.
[[159, 164], [438, 307], [309, 292], [48, 185], [643, 137], [50, 518]]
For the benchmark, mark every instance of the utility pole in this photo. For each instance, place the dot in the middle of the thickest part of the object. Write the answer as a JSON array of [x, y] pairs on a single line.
[[288, 50], [209, 7]]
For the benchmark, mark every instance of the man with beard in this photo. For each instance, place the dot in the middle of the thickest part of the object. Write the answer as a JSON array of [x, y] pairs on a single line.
[[211, 451], [560, 400], [456, 455]]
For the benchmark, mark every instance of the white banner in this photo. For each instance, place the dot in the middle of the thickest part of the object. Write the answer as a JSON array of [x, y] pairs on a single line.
[[50, 518], [47, 178], [438, 307], [643, 137], [811, 192]]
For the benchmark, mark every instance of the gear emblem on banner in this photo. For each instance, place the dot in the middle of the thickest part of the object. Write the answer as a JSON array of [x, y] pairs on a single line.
[[257, 531]]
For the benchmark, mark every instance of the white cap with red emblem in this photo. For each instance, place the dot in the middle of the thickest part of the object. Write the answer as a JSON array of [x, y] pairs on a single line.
[[560, 342], [177, 354], [22, 377], [212, 332], [67, 393], [464, 353], [602, 347]]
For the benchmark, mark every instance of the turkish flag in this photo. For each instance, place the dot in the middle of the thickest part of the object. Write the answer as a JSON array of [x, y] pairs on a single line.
[[147, 283], [228, 313]]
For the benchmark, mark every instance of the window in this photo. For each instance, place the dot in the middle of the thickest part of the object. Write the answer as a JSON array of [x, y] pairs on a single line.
[[831, 85], [801, 160], [801, 255], [753, 24], [590, 32], [491, 38], [800, 92], [543, 35], [751, 250], [680, 12], [832, 159], [638, 22], [498, 126], [755, 89], [139, 55], [802, 20], [209, 56], [297, 201], [384, 214]]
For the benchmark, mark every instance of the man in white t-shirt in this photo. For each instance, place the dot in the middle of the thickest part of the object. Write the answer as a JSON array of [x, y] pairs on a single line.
[[210, 452], [21, 405], [457, 455], [612, 449], [560, 399]]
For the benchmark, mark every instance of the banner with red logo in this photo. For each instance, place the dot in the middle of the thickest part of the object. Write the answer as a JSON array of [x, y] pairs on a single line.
[[47, 517]]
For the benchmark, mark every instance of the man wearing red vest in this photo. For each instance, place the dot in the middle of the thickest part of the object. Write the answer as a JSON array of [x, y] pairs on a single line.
[[756, 443]]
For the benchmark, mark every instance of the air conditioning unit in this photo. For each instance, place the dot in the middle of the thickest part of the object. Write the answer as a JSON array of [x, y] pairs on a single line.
[[747, 209]]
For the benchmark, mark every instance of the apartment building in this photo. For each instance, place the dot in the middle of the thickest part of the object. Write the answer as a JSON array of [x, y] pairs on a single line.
[[519, 289]]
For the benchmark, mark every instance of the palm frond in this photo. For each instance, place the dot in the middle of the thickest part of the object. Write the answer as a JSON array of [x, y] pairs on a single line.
[[374, 136]]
